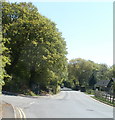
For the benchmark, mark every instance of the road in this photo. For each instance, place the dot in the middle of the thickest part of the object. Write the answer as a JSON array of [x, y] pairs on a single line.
[[66, 104]]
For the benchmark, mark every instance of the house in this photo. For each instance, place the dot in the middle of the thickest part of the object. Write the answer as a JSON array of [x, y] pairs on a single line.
[[105, 85]]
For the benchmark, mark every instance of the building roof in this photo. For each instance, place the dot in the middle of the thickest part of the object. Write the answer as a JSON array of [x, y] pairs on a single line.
[[102, 83], [113, 79]]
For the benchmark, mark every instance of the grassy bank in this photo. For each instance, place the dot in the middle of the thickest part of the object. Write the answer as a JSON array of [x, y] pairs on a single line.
[[90, 92], [104, 101]]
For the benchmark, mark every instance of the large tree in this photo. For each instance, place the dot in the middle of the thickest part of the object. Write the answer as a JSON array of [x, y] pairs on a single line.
[[80, 71], [38, 51], [86, 73]]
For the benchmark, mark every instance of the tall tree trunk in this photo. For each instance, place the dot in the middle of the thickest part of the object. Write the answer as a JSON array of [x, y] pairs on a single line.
[[32, 74]]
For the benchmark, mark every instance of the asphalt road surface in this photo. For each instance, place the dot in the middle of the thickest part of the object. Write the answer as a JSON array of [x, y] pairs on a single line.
[[66, 104]]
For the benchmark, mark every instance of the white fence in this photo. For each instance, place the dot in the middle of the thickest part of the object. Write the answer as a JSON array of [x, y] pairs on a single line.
[[105, 96]]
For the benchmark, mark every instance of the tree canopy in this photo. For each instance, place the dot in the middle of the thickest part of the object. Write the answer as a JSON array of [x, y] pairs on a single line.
[[33, 54], [87, 73], [37, 49], [3, 54]]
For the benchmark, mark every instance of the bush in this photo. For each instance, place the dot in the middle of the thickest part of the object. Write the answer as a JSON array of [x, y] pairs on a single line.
[[99, 94], [56, 89], [29, 92], [90, 91]]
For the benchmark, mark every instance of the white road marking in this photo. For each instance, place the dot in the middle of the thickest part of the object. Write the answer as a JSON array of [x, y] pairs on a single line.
[[32, 103], [21, 97], [24, 116], [19, 112]]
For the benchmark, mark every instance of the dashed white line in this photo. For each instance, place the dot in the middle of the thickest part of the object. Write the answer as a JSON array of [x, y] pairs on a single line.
[[32, 103]]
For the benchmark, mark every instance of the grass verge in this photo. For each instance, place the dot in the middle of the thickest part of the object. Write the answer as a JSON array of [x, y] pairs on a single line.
[[89, 92], [104, 101]]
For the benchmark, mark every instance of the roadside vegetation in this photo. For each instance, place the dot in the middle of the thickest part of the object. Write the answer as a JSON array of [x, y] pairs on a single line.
[[36, 49], [104, 101], [86, 73], [33, 56], [4, 59]]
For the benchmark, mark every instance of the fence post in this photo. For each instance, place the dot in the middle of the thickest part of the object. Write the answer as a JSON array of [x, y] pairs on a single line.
[[113, 99], [110, 98]]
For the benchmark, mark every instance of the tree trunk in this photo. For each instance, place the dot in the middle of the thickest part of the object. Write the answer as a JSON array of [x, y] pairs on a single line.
[[32, 74]]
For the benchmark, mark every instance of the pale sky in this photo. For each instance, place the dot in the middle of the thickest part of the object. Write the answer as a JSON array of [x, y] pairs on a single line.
[[86, 26]]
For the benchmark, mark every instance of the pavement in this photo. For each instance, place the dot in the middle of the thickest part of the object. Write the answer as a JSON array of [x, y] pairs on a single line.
[[9, 111], [6, 110], [66, 104]]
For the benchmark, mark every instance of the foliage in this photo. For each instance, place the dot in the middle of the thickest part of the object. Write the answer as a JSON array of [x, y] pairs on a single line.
[[86, 73], [90, 91], [104, 72], [92, 80], [31, 93], [4, 59], [104, 97], [80, 71], [38, 51]]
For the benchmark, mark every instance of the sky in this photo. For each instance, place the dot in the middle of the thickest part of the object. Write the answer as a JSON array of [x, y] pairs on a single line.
[[86, 26]]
